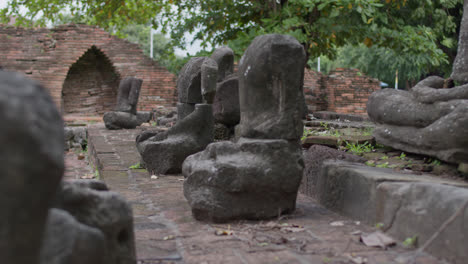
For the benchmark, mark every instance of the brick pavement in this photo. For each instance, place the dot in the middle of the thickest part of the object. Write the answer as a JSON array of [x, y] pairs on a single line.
[[167, 233]]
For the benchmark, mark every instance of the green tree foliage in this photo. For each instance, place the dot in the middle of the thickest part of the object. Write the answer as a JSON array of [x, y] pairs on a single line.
[[412, 27]]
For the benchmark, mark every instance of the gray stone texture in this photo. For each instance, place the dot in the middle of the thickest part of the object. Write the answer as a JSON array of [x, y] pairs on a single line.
[[75, 137], [250, 179], [209, 76], [66, 241], [163, 153], [271, 76], [460, 65], [224, 57], [31, 153], [125, 114], [226, 109], [93, 205], [432, 118], [119, 120], [127, 95], [258, 176], [222, 132], [184, 109], [421, 121], [314, 158], [406, 204], [189, 81]]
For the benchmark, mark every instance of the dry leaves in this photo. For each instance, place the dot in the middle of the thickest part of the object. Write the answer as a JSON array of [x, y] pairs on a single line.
[[377, 239], [88, 176]]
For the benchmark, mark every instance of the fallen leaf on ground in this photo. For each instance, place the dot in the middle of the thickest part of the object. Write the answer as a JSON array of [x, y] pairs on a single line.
[[337, 223], [88, 176], [154, 177], [81, 157], [377, 239], [356, 259], [224, 232], [293, 228]]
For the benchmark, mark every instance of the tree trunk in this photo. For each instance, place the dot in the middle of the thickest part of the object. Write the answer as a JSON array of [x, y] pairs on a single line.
[[460, 65]]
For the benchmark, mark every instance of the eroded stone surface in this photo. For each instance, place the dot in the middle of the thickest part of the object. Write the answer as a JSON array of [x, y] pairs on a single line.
[[425, 120], [257, 177], [226, 108], [92, 204], [271, 75], [163, 153], [128, 93], [313, 160], [125, 114], [189, 81], [119, 120], [32, 143], [224, 57], [430, 119], [209, 76], [250, 179], [66, 241]]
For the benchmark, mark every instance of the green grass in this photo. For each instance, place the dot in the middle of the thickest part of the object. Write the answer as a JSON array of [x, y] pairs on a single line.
[[359, 149], [136, 166]]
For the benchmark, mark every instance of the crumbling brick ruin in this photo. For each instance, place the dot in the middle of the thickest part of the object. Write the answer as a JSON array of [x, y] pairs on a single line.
[[83, 65], [342, 91]]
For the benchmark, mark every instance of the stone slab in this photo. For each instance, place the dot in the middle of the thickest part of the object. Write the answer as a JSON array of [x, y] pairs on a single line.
[[407, 204], [165, 228]]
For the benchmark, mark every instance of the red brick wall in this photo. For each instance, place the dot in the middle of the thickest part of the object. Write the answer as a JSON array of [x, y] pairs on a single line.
[[342, 91], [315, 92], [48, 54]]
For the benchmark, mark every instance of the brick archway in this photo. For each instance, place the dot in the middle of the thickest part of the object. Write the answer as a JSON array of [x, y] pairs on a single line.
[[50, 56], [90, 86]]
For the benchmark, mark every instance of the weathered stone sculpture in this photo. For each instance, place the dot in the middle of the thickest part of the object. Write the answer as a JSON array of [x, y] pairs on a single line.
[[224, 57], [31, 152], [429, 119], [226, 110], [164, 152], [189, 87], [92, 204], [125, 114], [258, 176], [68, 241], [41, 222], [127, 95]]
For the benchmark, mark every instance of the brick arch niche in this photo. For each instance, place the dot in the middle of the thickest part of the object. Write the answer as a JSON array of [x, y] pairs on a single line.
[[82, 65], [90, 86]]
